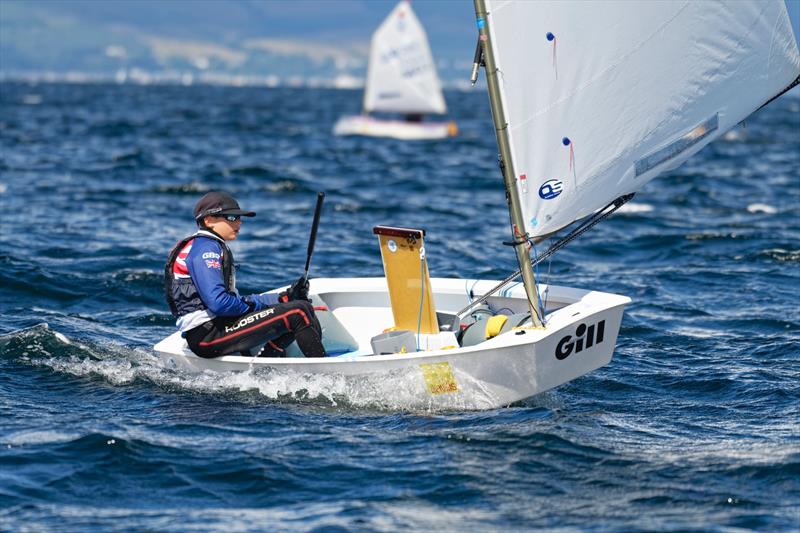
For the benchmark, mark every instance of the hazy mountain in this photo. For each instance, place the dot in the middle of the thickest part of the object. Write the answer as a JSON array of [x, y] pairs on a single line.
[[298, 39], [219, 40]]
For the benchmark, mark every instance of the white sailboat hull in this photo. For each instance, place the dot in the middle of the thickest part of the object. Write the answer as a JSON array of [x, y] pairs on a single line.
[[395, 129], [580, 336]]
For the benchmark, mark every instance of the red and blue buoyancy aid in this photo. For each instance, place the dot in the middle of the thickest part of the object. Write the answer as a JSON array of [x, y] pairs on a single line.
[[200, 275]]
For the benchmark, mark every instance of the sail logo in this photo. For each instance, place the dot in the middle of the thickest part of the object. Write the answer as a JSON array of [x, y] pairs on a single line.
[[585, 337], [550, 189]]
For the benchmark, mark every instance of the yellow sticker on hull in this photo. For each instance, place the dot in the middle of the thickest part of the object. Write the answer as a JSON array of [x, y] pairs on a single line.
[[439, 377]]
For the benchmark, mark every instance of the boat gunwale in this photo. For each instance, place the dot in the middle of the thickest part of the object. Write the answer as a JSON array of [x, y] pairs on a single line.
[[588, 303]]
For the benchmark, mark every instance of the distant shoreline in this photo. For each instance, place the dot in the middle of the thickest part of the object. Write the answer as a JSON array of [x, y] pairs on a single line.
[[186, 79]]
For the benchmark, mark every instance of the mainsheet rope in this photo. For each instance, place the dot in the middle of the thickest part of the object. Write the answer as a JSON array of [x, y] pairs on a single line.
[[577, 232]]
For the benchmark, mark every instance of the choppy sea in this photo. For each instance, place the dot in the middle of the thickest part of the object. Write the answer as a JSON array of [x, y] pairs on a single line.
[[693, 426]]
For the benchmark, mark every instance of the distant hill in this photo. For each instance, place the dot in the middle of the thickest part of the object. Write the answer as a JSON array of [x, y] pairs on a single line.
[[226, 40]]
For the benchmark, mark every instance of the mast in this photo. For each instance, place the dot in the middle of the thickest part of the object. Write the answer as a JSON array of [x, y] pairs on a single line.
[[518, 233]]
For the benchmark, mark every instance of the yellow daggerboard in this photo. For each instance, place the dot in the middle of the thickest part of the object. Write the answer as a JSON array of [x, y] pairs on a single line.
[[407, 276]]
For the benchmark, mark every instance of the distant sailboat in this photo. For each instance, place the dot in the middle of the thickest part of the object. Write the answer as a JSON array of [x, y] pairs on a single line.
[[401, 79]]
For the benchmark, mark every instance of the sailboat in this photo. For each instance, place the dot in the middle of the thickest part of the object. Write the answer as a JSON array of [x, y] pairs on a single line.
[[629, 91], [401, 80]]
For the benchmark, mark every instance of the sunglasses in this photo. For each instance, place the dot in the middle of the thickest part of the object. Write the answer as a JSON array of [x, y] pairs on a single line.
[[231, 218]]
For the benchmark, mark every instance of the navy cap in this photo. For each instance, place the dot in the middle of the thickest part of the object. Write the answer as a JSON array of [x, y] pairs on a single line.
[[219, 203]]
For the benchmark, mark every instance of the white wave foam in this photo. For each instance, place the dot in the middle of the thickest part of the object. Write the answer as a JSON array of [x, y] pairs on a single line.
[[398, 390], [697, 332], [782, 254], [761, 208], [114, 371], [743, 451], [401, 390], [734, 135], [414, 514], [662, 446], [631, 207], [21, 438]]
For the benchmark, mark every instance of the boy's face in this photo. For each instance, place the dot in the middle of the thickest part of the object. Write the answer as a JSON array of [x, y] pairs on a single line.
[[223, 227]]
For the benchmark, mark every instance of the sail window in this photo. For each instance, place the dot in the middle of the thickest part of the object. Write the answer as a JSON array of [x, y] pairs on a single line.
[[697, 134]]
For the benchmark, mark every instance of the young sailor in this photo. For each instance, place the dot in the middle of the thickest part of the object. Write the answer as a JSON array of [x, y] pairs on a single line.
[[200, 287]]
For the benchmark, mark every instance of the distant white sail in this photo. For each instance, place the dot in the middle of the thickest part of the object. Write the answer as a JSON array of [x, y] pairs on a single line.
[[601, 97], [401, 76]]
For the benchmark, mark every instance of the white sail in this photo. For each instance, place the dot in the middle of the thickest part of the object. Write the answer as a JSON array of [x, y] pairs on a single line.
[[601, 97], [401, 76]]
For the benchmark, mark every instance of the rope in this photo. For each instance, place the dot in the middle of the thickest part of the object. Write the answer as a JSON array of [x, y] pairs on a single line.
[[422, 292], [574, 234], [787, 89], [536, 284]]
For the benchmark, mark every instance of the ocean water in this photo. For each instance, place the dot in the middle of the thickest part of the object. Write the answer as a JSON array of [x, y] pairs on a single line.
[[693, 426]]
